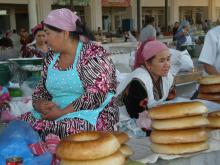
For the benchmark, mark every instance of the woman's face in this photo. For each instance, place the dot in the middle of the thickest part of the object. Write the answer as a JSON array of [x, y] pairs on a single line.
[[187, 28], [55, 40], [40, 37], [160, 64]]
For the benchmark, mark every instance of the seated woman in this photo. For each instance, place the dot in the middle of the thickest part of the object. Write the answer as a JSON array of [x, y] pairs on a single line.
[[182, 35], [78, 82], [149, 84], [39, 48]]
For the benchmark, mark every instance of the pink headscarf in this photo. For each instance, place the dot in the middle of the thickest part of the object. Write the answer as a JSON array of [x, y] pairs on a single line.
[[147, 50], [39, 26], [63, 19]]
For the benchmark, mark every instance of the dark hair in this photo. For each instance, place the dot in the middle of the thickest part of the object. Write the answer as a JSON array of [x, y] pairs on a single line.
[[35, 32], [24, 29], [136, 93], [80, 30], [6, 42], [149, 20]]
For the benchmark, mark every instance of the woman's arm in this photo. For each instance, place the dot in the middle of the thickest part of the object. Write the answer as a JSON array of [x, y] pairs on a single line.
[[210, 69], [172, 92], [41, 94]]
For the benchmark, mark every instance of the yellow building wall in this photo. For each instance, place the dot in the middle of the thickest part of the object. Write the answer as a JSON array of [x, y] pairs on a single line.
[[192, 2], [14, 1], [152, 3]]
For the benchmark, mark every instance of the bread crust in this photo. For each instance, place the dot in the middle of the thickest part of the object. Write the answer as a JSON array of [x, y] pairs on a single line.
[[214, 122], [117, 158], [175, 110], [179, 136], [214, 114], [212, 97], [211, 79], [121, 136], [126, 150], [87, 146], [180, 123], [212, 88], [179, 148]]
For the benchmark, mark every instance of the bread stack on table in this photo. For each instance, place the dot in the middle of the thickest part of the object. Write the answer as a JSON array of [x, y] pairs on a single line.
[[94, 148], [209, 88], [178, 128]]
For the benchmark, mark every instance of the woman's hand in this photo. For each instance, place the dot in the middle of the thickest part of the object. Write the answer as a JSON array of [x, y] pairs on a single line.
[[44, 107], [55, 113]]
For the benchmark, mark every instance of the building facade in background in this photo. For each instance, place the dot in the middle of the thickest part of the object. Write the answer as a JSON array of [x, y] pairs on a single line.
[[109, 15]]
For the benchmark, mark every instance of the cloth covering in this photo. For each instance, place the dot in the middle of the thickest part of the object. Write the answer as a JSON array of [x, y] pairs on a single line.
[[210, 53]]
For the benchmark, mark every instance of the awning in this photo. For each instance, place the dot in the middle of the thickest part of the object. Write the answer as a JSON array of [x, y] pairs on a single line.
[[75, 2], [116, 3]]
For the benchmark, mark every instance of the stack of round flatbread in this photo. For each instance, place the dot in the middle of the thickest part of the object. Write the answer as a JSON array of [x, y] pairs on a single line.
[[178, 128], [94, 148], [209, 88]]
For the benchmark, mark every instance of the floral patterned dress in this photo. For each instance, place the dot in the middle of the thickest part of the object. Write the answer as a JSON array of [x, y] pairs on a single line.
[[97, 74]]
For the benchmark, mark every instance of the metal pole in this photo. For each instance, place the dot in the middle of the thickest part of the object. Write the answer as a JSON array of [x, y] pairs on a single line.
[[138, 15], [166, 15], [71, 5]]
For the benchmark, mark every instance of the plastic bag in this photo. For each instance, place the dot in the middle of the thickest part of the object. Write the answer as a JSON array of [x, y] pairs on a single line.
[[14, 141], [186, 61], [175, 61], [44, 159], [19, 130]]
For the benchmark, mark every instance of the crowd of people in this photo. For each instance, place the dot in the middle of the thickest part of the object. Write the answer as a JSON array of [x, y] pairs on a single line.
[[23, 44]]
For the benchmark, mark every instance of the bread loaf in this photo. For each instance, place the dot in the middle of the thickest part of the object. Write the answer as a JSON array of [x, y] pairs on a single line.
[[179, 148], [214, 88], [175, 110], [211, 79], [206, 96], [180, 123], [179, 136]]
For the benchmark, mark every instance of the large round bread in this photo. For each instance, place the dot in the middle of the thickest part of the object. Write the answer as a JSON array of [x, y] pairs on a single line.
[[179, 136], [115, 159], [175, 149], [214, 122], [211, 79], [180, 123], [87, 146], [213, 88], [175, 110], [126, 150], [121, 136], [206, 96]]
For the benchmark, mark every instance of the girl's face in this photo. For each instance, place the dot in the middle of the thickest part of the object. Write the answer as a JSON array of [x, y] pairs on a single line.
[[187, 28], [160, 64], [55, 40], [40, 37]]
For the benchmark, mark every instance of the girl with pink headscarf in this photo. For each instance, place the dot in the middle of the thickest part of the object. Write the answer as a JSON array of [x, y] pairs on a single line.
[[78, 83], [39, 48], [149, 84]]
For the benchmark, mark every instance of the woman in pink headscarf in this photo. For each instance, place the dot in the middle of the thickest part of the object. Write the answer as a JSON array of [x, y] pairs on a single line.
[[39, 48], [78, 83], [150, 83]]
